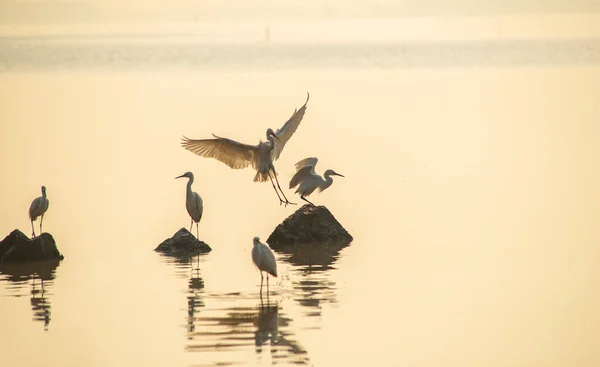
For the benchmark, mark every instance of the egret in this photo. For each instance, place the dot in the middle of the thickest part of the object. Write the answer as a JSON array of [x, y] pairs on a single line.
[[193, 202], [38, 208], [264, 260], [261, 156], [308, 180]]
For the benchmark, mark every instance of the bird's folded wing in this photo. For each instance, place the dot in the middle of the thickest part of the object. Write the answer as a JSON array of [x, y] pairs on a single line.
[[234, 154], [287, 130]]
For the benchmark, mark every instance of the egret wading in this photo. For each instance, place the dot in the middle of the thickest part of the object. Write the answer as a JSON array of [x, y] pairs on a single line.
[[263, 258], [308, 180], [261, 156], [193, 202], [38, 208]]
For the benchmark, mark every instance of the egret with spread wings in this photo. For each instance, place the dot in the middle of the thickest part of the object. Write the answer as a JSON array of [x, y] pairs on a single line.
[[261, 157], [308, 180]]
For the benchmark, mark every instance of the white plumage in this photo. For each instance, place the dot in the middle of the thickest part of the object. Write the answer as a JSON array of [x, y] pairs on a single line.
[[261, 156], [193, 202], [307, 179], [38, 208], [263, 258]]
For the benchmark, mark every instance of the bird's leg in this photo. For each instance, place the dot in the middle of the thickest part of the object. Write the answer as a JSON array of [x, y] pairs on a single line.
[[305, 199], [191, 224], [261, 282], [41, 221], [274, 188], [282, 193], [32, 230], [198, 238]]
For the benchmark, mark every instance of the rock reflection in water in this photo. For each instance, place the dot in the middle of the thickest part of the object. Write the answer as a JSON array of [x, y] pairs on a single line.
[[313, 262], [42, 275]]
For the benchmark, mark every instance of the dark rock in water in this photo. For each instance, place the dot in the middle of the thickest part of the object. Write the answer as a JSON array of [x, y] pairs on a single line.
[[18, 247], [183, 242], [309, 224]]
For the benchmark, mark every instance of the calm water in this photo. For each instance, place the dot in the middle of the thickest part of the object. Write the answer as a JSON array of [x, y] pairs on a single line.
[[472, 194]]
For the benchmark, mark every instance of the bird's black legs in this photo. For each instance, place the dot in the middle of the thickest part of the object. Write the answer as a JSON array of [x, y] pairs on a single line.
[[274, 188], [32, 230], [305, 199], [261, 282], [41, 221], [282, 193], [191, 224], [198, 238]]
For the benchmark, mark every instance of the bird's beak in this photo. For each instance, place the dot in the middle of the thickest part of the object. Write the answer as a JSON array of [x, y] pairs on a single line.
[[275, 136], [179, 176], [337, 174]]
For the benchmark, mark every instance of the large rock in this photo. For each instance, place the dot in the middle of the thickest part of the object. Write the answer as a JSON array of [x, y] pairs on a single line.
[[183, 242], [18, 247], [309, 225]]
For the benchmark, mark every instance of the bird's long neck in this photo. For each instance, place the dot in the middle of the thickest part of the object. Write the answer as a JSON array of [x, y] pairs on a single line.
[[271, 139], [189, 186], [328, 181]]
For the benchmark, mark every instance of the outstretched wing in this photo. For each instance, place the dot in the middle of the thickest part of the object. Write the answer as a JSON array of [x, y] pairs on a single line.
[[288, 129], [234, 154], [310, 161], [301, 175]]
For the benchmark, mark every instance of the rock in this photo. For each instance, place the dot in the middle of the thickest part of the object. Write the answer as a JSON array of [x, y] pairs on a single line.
[[18, 247], [309, 225], [183, 242]]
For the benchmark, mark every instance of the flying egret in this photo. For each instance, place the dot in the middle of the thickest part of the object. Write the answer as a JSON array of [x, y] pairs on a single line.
[[193, 202], [308, 180], [264, 260], [38, 208], [261, 156]]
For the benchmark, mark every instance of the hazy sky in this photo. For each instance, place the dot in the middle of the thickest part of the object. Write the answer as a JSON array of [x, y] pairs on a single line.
[[83, 11]]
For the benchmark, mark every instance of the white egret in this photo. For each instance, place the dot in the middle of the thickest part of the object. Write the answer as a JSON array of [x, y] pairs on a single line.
[[193, 202], [261, 156], [308, 180], [38, 208], [264, 260]]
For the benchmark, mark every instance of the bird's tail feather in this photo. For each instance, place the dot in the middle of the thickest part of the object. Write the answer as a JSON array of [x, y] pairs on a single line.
[[261, 176]]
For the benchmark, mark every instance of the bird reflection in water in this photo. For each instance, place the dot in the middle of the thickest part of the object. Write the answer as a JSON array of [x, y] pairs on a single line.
[[42, 275], [194, 296]]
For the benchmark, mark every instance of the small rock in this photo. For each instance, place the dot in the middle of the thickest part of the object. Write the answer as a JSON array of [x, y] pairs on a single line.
[[183, 242], [309, 225], [18, 247]]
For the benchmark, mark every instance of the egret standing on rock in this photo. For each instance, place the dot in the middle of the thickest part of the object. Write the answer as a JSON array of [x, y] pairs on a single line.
[[37, 209], [239, 155], [308, 180], [193, 202], [264, 260]]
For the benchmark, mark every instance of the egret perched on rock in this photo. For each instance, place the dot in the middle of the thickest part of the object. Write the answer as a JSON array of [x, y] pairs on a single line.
[[308, 180], [264, 260], [193, 202], [261, 156], [38, 208]]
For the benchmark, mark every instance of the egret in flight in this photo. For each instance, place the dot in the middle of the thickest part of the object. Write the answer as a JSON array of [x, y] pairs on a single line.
[[308, 180], [193, 202], [264, 260], [38, 208], [261, 156]]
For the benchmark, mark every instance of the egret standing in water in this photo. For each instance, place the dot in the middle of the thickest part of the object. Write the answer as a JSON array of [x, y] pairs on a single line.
[[38, 208], [264, 260], [261, 156], [308, 180], [193, 202]]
